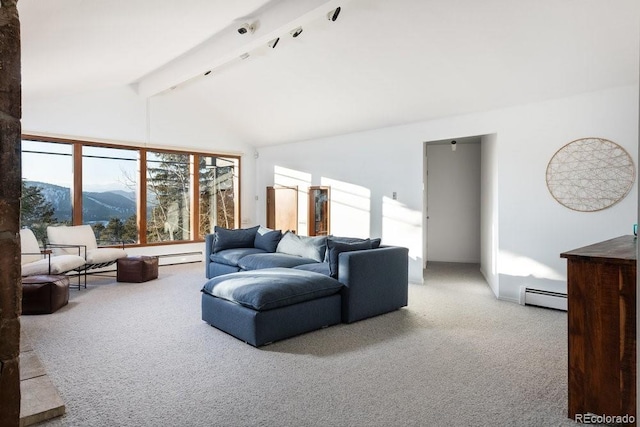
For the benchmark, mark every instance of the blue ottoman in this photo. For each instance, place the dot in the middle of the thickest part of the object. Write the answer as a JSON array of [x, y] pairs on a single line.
[[263, 306]]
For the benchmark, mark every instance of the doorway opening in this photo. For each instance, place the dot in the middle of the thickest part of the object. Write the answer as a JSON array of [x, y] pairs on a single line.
[[452, 200]]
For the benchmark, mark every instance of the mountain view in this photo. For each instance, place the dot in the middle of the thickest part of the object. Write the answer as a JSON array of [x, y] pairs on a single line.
[[96, 206]]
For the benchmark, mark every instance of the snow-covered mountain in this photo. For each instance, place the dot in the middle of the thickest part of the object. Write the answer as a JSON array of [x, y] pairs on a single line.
[[96, 206]]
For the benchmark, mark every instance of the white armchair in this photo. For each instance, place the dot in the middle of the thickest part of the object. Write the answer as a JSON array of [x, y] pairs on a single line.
[[65, 240], [36, 261]]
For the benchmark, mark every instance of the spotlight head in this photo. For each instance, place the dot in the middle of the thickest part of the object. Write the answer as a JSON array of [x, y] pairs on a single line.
[[273, 43], [206, 73], [453, 145], [333, 15], [296, 32], [246, 28]]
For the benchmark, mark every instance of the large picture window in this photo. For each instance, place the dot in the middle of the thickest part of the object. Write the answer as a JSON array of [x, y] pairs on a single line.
[[168, 197], [110, 192], [136, 195], [47, 178], [218, 184]]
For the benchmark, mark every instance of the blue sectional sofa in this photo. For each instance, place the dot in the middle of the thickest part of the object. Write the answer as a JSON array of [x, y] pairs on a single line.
[[266, 286]]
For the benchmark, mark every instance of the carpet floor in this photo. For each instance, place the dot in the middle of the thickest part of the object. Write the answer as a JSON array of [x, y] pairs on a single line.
[[126, 354]]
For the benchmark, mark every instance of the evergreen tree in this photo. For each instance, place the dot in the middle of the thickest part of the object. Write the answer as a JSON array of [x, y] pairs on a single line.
[[130, 230], [98, 229], [36, 212], [113, 231], [117, 231]]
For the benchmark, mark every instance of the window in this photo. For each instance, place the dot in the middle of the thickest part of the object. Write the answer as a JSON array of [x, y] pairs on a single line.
[[110, 192], [168, 197], [128, 193], [218, 186], [46, 186]]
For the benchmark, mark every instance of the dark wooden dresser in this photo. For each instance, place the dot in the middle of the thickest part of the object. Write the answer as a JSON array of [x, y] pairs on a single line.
[[601, 288]]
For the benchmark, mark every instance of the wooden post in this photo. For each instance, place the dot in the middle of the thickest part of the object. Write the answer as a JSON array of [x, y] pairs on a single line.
[[10, 177]]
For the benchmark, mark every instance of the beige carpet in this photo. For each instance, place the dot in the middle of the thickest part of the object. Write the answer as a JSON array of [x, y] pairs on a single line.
[[139, 355]]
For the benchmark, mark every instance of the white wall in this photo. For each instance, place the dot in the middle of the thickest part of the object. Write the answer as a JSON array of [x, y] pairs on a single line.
[[532, 228], [489, 236], [453, 202], [115, 114], [363, 170]]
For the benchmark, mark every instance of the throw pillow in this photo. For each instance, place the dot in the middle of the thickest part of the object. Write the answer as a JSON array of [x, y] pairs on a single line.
[[336, 247], [304, 246], [236, 238], [375, 243], [267, 239]]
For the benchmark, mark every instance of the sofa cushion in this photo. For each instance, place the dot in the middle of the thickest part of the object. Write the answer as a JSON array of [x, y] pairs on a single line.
[[335, 248], [271, 288], [375, 243], [316, 267], [267, 239], [232, 256], [29, 247], [216, 269], [71, 235], [104, 255], [303, 246], [59, 265], [271, 260], [234, 238]]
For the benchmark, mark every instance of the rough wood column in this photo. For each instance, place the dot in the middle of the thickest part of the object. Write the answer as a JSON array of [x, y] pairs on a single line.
[[10, 176]]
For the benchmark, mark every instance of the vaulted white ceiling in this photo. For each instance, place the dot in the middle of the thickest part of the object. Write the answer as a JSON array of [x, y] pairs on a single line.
[[380, 63]]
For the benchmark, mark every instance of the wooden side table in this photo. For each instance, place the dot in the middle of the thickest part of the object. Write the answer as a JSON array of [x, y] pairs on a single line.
[[601, 290]]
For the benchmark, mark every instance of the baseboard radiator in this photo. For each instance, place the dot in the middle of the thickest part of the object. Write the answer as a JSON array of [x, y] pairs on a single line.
[[180, 258], [540, 298], [163, 259]]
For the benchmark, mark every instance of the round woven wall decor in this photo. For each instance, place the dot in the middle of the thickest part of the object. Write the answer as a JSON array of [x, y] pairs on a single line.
[[590, 174]]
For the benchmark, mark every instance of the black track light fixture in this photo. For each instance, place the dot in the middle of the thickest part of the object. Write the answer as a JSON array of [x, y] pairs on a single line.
[[247, 28], [333, 15], [273, 43]]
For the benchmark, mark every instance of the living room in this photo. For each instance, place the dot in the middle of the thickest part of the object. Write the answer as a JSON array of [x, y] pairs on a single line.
[[352, 103], [526, 222]]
